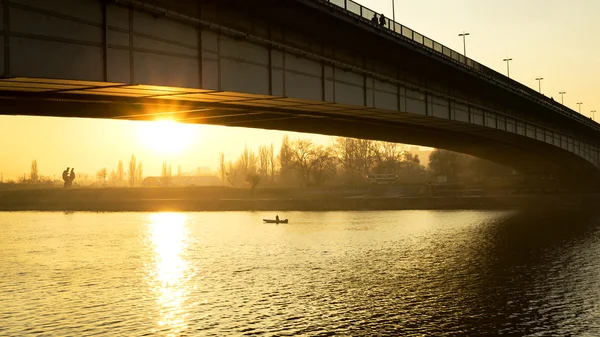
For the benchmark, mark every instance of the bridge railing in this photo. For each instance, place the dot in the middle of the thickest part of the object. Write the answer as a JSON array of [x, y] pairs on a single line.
[[365, 14]]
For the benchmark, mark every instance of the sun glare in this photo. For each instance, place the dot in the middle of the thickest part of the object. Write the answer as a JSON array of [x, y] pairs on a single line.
[[166, 136]]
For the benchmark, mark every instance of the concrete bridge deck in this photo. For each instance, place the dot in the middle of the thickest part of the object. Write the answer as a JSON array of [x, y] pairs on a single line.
[[298, 65]]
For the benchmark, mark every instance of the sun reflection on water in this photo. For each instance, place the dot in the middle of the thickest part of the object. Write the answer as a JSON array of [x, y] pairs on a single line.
[[171, 272]]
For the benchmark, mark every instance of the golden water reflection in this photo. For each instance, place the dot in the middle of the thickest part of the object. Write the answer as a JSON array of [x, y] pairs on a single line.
[[171, 272]]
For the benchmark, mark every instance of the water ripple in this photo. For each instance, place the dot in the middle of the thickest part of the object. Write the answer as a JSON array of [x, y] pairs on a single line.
[[355, 273]]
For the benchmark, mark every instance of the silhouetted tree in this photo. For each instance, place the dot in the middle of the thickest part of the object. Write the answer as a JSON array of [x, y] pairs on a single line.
[[33, 176], [271, 156], [285, 160], [166, 174], [231, 173], [101, 175], [222, 167], [120, 172], [448, 163], [139, 172], [132, 171], [263, 161], [253, 179], [323, 164], [312, 161], [114, 178]]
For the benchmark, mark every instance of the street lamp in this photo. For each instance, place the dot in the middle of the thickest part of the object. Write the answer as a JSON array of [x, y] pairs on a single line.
[[464, 35], [393, 10], [507, 60], [579, 103], [539, 79], [593, 114], [561, 96]]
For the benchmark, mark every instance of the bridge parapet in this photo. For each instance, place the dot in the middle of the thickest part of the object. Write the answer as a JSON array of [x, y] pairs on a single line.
[[404, 33]]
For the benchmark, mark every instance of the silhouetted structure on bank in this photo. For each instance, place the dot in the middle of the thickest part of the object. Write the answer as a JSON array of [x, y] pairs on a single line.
[[68, 177]]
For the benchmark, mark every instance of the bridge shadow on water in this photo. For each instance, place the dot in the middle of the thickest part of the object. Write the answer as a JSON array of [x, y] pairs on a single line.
[[529, 273], [517, 273]]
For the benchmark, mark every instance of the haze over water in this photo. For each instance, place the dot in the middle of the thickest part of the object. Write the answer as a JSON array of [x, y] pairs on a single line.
[[329, 273]]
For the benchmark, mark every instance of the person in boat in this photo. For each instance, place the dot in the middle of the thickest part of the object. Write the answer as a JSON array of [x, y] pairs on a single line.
[[277, 218]]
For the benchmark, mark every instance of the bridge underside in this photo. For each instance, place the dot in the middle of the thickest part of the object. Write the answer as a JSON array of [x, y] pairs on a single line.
[[65, 98]]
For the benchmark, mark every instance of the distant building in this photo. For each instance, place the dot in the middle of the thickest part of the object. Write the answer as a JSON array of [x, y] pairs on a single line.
[[423, 154], [183, 181]]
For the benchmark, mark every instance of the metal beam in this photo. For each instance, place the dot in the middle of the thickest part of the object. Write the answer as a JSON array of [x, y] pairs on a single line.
[[6, 28]]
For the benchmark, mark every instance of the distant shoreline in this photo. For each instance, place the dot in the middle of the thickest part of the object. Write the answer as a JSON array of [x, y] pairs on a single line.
[[282, 199]]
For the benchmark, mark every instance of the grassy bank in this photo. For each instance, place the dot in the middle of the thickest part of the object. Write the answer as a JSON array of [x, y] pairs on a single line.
[[267, 199]]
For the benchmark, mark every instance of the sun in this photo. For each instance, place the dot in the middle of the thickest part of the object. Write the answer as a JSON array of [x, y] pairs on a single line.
[[166, 136]]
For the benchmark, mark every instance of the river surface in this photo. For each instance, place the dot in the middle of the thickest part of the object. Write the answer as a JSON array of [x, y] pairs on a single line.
[[396, 273]]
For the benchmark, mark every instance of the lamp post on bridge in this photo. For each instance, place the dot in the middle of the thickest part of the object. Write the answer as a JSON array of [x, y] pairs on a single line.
[[562, 93], [464, 35], [539, 79], [393, 11], [579, 103], [593, 114], [507, 60]]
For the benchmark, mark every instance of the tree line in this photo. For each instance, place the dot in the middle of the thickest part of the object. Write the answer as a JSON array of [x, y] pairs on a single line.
[[348, 161], [301, 162]]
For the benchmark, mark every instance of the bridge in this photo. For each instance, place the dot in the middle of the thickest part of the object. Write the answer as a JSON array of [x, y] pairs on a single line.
[[316, 66]]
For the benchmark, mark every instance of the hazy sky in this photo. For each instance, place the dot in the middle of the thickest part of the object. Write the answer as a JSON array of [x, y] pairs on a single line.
[[556, 40]]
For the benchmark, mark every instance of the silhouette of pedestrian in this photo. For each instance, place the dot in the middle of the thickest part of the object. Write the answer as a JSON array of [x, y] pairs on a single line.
[[65, 177], [374, 19], [71, 177], [382, 20]]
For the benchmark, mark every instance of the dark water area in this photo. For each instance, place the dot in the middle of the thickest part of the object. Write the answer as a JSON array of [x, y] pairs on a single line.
[[386, 273]]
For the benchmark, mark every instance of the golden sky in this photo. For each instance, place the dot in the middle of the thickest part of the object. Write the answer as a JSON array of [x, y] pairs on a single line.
[[91, 144], [556, 40]]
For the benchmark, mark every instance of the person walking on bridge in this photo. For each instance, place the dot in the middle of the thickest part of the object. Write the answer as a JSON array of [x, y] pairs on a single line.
[[382, 20], [374, 19]]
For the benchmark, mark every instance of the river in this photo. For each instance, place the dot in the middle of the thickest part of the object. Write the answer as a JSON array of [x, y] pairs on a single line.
[[408, 273]]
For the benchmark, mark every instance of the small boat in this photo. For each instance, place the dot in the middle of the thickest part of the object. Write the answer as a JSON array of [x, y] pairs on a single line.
[[275, 221]]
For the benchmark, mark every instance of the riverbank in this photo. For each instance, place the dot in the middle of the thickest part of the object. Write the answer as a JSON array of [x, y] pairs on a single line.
[[275, 199]]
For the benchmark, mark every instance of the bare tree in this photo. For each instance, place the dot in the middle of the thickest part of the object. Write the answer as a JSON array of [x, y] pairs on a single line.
[[322, 164], [166, 174], [101, 175], [301, 158], [34, 175], [390, 156], [343, 148], [246, 164], [244, 161], [272, 162], [120, 172], [285, 160], [114, 178], [263, 161], [222, 167], [132, 171], [231, 173], [253, 179], [313, 162], [139, 172], [366, 155]]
